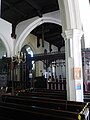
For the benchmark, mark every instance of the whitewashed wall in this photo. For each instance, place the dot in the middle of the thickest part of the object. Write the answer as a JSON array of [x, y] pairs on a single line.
[[5, 35], [85, 18]]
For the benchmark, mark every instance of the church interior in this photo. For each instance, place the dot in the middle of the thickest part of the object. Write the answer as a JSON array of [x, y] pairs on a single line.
[[44, 64]]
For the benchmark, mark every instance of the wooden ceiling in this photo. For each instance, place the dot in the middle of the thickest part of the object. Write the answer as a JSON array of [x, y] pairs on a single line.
[[15, 11]]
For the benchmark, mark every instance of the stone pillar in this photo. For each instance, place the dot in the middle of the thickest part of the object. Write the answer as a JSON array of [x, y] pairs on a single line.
[[74, 80]]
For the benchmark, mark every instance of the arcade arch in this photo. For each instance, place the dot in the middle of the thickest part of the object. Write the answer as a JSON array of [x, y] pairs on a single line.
[[70, 19], [32, 26]]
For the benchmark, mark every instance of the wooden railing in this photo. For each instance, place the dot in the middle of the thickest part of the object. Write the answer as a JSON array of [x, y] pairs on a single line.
[[61, 85], [18, 85]]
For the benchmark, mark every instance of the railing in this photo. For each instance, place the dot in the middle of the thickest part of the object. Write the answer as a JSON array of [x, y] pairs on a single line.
[[53, 85], [61, 85], [18, 84], [85, 112]]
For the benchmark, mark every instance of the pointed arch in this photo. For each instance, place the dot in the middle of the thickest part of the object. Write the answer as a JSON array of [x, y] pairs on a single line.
[[29, 45], [33, 25]]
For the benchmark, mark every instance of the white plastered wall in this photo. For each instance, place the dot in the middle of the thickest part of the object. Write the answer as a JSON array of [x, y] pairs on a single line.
[[84, 6], [5, 36]]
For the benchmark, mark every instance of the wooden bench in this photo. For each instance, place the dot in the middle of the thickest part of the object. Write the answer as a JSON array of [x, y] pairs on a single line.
[[46, 90], [60, 95], [13, 111], [36, 111], [46, 103]]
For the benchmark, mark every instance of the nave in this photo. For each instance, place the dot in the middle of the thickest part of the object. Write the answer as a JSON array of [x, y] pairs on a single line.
[[41, 101]]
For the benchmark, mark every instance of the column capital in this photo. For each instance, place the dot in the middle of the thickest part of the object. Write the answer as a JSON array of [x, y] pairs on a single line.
[[71, 33]]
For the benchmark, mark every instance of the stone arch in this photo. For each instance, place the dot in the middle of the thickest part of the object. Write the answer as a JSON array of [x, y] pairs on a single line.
[[70, 19], [33, 25], [5, 44]]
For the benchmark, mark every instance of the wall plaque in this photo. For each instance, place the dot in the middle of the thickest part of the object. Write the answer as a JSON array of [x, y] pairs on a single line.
[[77, 73]]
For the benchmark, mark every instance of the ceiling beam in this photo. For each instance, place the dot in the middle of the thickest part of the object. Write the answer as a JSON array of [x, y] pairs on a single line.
[[48, 33], [54, 37], [39, 32], [48, 56], [11, 6], [35, 6]]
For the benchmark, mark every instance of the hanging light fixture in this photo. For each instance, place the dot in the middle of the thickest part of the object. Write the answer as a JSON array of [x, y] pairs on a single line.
[[21, 57]]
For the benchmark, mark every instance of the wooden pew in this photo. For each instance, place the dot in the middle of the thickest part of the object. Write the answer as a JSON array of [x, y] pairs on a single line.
[[60, 95], [51, 99], [63, 114], [46, 107], [68, 106], [45, 97], [47, 90], [15, 111]]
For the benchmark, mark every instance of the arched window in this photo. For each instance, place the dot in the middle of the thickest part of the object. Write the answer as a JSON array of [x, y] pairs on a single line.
[[27, 49]]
